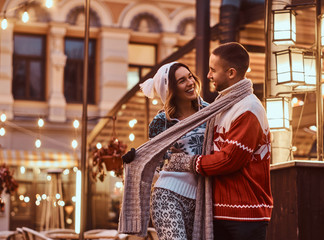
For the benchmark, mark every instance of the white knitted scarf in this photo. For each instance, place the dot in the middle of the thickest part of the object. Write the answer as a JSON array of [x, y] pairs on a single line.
[[134, 216]]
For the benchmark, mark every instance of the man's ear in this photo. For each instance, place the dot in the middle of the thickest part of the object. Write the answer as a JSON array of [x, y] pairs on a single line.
[[232, 73]]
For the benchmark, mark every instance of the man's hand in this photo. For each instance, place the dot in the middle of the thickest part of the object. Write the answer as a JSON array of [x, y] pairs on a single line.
[[180, 162], [129, 156]]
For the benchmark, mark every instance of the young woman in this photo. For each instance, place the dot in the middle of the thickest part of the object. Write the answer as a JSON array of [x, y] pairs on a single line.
[[174, 193]]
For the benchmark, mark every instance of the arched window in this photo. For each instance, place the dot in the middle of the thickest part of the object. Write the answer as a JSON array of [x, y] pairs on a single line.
[[76, 17], [146, 22], [187, 27]]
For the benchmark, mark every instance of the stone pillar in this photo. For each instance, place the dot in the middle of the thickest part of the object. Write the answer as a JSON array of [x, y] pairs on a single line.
[[113, 46], [166, 45], [281, 141], [6, 63], [57, 61]]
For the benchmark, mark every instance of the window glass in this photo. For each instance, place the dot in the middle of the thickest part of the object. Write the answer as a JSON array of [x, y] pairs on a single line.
[[141, 58], [145, 71], [29, 67], [32, 200], [132, 77], [36, 85], [141, 54], [28, 45], [73, 72]]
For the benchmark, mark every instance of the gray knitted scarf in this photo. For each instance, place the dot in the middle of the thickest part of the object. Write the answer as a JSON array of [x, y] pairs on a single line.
[[134, 216]]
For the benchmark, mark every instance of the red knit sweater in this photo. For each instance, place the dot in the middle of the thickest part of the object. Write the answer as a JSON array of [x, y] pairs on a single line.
[[240, 163]]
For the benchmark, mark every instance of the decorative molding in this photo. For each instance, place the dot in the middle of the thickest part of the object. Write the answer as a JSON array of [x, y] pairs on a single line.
[[76, 17], [146, 22]]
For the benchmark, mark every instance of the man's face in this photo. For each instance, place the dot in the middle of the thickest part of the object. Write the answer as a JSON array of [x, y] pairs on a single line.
[[218, 74]]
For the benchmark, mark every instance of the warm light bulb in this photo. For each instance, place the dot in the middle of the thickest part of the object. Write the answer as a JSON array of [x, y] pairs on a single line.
[[313, 128], [294, 100], [154, 102], [2, 132], [38, 143], [118, 184], [3, 117], [40, 122], [4, 24], [74, 144], [49, 3], [132, 123], [99, 145], [131, 137], [76, 123], [25, 17]]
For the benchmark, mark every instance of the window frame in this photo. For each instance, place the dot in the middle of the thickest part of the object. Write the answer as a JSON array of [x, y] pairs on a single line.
[[91, 60], [28, 59], [141, 67]]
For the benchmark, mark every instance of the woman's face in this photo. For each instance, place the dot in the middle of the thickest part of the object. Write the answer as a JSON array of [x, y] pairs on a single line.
[[185, 85]]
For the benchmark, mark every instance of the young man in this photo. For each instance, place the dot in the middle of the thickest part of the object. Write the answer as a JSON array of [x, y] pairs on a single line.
[[240, 160]]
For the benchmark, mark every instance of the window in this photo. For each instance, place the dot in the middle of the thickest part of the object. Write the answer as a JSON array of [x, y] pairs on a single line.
[[73, 72], [29, 67], [134, 75], [142, 57]]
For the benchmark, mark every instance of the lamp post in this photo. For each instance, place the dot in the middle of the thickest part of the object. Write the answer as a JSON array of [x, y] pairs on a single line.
[[319, 99], [83, 206]]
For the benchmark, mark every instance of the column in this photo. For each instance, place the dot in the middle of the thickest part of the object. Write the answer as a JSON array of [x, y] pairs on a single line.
[[113, 67], [57, 61], [166, 45], [6, 53]]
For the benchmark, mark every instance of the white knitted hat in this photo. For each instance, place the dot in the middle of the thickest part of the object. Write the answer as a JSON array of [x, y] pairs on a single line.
[[159, 83]]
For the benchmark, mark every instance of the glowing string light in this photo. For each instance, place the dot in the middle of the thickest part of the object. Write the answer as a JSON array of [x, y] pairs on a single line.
[[49, 3], [25, 17], [4, 24]]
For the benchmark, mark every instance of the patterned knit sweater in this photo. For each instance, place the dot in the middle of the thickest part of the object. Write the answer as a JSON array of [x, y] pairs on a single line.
[[183, 183], [240, 163]]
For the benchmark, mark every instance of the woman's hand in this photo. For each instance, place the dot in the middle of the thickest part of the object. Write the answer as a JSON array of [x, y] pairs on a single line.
[[180, 162]]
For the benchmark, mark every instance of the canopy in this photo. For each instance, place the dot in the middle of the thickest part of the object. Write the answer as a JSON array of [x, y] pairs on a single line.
[[41, 159]]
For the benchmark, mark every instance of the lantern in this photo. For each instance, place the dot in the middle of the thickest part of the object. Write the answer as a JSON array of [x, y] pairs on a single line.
[[278, 113], [290, 67], [284, 30]]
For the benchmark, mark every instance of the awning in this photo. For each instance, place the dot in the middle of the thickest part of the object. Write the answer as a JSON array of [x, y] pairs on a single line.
[[40, 159]]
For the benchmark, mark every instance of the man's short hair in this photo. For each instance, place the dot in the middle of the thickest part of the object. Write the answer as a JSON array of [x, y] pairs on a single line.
[[234, 55]]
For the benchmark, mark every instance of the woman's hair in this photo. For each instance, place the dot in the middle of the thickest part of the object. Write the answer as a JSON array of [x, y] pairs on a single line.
[[170, 106]]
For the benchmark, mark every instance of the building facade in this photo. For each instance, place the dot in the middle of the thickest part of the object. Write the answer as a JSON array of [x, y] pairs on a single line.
[[41, 77]]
